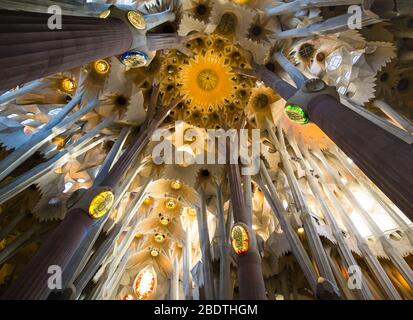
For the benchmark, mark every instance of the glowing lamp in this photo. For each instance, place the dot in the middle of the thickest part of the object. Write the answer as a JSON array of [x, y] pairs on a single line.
[[101, 67], [145, 283], [170, 204], [154, 252], [296, 114], [176, 185], [68, 85], [240, 239], [300, 230], [127, 297], [159, 237], [164, 221], [101, 204]]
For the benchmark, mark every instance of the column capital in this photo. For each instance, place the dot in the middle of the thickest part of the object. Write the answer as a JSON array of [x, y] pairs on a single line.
[[297, 106]]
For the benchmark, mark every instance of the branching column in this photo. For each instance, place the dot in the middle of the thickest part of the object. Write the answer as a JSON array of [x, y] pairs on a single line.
[[384, 158], [60, 247], [250, 277]]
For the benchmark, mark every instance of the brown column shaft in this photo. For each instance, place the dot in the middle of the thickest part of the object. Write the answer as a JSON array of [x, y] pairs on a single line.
[[385, 159], [32, 283], [72, 231], [29, 50], [250, 277], [65, 240]]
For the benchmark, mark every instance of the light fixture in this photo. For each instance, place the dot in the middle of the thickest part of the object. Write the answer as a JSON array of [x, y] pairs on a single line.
[[170, 204], [159, 237], [127, 297], [101, 204], [164, 220], [176, 185], [68, 85], [154, 252], [300, 230], [101, 67]]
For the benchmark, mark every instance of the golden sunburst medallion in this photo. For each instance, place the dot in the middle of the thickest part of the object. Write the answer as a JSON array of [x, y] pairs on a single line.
[[206, 80], [211, 90]]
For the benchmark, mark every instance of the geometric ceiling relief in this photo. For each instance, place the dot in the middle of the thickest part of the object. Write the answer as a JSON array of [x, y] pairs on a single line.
[[206, 150]]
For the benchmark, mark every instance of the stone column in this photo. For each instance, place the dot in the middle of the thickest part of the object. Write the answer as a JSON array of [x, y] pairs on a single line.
[[30, 50], [384, 158], [250, 277], [55, 253], [65, 240]]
